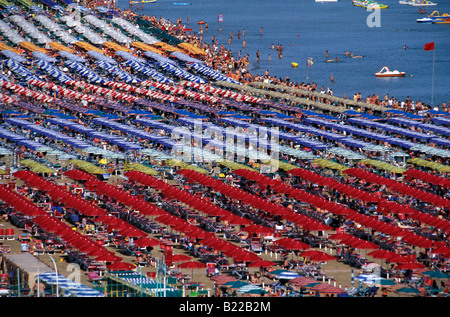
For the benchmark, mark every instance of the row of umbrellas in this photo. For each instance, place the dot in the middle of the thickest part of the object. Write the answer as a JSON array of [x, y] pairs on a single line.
[[254, 201], [338, 209], [399, 187]]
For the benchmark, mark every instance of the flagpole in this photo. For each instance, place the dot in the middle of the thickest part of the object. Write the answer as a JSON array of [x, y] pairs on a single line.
[[432, 82]]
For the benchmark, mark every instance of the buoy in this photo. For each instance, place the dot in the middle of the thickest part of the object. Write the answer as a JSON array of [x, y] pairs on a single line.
[[294, 65]]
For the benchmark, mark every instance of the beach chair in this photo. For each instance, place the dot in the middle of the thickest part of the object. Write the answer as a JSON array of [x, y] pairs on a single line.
[[10, 234], [172, 281], [210, 269], [2, 234], [94, 277], [38, 247]]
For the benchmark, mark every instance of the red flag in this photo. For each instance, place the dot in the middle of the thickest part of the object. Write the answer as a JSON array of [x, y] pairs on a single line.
[[429, 46]]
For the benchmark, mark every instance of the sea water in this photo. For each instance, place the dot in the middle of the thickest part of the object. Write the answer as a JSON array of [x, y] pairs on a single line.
[[307, 29]]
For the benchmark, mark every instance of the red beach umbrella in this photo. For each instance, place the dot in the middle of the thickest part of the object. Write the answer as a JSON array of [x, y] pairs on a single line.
[[322, 257], [108, 258], [410, 266], [191, 265], [179, 258], [120, 266], [146, 242]]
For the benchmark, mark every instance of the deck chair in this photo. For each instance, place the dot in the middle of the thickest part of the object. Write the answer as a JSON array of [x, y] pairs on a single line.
[[172, 281], [94, 277], [10, 234], [38, 247], [2, 234]]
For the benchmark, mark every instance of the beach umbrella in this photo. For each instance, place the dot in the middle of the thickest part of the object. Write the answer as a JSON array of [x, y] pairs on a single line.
[[327, 289], [384, 282], [250, 289], [235, 284], [258, 229], [407, 291], [146, 242], [244, 256], [120, 266], [322, 257], [366, 278], [375, 280], [437, 274], [287, 275], [382, 254], [410, 266], [302, 281], [179, 258], [108, 258], [191, 265], [276, 272]]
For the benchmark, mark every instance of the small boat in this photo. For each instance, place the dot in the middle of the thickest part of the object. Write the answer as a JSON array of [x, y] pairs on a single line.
[[371, 5], [294, 65], [181, 3], [326, 0], [375, 6], [416, 3], [385, 72]]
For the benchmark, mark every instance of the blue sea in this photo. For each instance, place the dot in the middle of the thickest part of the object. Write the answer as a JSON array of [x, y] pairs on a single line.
[[308, 29]]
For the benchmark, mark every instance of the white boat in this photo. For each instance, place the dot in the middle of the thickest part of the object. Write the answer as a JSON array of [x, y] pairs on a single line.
[[385, 72], [326, 0], [416, 3]]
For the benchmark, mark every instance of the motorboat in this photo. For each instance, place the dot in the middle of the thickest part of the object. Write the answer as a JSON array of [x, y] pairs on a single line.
[[416, 3], [371, 5], [375, 6], [385, 72]]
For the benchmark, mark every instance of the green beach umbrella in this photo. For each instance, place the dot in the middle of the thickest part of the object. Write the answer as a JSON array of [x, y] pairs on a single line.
[[276, 272], [408, 291], [437, 274], [382, 282]]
